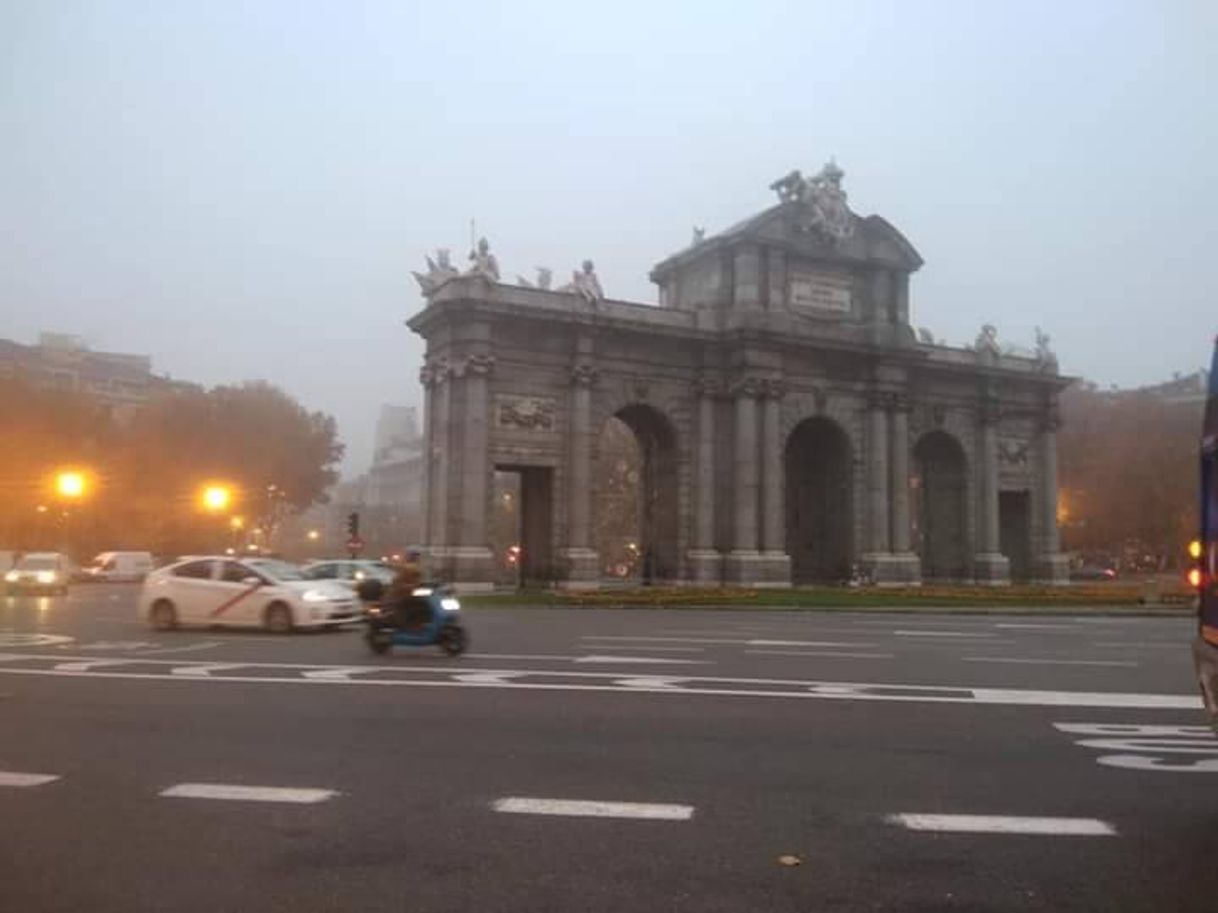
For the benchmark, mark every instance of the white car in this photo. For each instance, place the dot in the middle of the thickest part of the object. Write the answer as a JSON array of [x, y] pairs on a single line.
[[39, 572], [350, 572], [250, 592]]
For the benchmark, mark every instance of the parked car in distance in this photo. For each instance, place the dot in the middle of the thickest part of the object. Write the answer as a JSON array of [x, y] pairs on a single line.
[[214, 590], [350, 572], [39, 572], [119, 566]]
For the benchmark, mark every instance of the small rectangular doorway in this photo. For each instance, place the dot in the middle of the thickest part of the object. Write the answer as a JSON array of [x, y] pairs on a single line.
[[1015, 532], [522, 534]]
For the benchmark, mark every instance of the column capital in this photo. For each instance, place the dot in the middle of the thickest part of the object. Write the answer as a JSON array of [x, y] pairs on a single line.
[[747, 387], [902, 402], [880, 400], [476, 365], [434, 373], [584, 374], [709, 386], [773, 388]]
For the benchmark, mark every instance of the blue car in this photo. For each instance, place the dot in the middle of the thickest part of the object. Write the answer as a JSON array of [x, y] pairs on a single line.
[[431, 616]]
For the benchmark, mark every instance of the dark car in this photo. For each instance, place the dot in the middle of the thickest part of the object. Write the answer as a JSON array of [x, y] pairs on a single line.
[[1094, 572]]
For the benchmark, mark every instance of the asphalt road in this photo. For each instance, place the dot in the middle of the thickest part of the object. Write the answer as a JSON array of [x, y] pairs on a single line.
[[605, 760]]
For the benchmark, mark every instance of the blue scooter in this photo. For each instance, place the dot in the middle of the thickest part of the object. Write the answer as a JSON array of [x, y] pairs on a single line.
[[430, 617]]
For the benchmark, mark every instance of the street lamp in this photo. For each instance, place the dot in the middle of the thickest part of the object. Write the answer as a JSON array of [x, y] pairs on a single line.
[[314, 535], [216, 498], [70, 485]]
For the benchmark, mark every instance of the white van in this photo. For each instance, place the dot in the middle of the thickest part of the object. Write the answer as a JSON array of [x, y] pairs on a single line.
[[119, 566]]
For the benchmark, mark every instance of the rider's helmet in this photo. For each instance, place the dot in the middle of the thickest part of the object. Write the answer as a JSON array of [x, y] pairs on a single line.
[[414, 554]]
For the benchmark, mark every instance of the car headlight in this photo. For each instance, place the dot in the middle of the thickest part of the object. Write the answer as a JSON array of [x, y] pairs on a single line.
[[46, 576], [450, 604], [11, 576], [421, 591], [315, 596]]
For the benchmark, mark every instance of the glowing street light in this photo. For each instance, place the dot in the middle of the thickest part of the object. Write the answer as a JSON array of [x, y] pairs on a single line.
[[71, 485], [236, 523], [216, 498], [314, 535]]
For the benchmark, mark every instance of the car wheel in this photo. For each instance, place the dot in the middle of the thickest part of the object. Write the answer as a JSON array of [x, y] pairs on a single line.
[[380, 642], [278, 618], [163, 617]]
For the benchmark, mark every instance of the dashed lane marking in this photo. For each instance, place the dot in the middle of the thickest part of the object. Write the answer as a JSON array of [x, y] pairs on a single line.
[[24, 780], [1004, 824], [15, 639], [944, 634], [579, 808], [1049, 662], [234, 793], [643, 660], [839, 654]]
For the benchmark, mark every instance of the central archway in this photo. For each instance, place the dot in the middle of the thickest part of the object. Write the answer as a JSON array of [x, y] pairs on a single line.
[[940, 507], [637, 496], [820, 515]]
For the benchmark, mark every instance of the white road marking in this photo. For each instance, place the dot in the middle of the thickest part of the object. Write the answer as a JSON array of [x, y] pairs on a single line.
[[664, 640], [1049, 662], [1182, 645], [89, 664], [578, 808], [234, 793], [834, 653], [551, 680], [649, 647], [191, 648], [20, 780], [1149, 747], [1039, 627], [643, 660], [650, 682], [1004, 824], [803, 643], [341, 674], [944, 634], [115, 645], [203, 670], [18, 639]]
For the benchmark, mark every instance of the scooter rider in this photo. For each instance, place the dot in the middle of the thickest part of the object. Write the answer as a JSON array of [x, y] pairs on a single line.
[[409, 574]]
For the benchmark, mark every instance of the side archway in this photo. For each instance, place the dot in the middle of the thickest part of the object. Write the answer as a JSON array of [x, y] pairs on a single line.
[[940, 507], [819, 511], [638, 505]]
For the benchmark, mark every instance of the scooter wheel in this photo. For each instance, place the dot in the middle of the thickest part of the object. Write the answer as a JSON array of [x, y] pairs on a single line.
[[379, 642], [453, 640]]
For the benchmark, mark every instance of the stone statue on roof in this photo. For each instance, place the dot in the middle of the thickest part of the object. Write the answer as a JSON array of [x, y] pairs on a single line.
[[483, 262], [585, 284], [438, 272], [819, 202], [1044, 354]]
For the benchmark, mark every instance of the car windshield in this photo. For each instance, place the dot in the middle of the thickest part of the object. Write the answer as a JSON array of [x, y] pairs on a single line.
[[38, 563], [276, 570]]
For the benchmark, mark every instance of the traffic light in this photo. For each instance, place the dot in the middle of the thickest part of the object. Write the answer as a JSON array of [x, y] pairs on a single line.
[[1196, 576], [353, 524]]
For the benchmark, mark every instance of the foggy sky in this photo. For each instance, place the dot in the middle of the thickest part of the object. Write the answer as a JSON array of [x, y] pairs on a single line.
[[241, 189]]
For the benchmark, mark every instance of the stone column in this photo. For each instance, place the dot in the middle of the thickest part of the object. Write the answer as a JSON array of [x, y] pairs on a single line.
[[742, 563], [990, 566], [1051, 565], [428, 382], [472, 561], [776, 565], [582, 563], [439, 453], [705, 561], [877, 475], [906, 566]]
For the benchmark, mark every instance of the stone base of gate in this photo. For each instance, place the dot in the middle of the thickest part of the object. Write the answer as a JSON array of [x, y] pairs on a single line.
[[1053, 570], [469, 568], [992, 569], [894, 568], [705, 566], [757, 569], [581, 569]]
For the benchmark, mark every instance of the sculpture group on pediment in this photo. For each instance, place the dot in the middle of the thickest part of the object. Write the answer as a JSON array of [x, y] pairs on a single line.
[[819, 202]]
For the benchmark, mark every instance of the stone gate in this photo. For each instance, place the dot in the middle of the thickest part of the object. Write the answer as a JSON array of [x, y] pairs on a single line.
[[794, 428]]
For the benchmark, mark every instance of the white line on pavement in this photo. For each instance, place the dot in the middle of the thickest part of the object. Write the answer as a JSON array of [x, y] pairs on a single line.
[[341, 674], [88, 664], [802, 643], [1049, 662], [577, 808], [19, 780], [835, 653], [207, 645], [1004, 824], [203, 670], [1183, 645], [1040, 627], [665, 640], [234, 793], [943, 634], [652, 648], [644, 660]]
